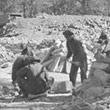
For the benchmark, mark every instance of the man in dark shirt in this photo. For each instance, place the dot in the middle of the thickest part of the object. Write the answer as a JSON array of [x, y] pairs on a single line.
[[79, 58], [21, 61], [33, 79]]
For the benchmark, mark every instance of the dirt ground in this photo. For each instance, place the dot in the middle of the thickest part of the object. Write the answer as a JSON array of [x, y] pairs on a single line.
[[59, 101]]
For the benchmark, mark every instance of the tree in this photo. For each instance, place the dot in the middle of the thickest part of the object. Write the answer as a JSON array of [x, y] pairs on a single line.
[[27, 7], [108, 7], [98, 7], [30, 8], [2, 5]]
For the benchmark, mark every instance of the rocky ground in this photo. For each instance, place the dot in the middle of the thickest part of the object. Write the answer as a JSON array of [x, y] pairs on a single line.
[[39, 33], [44, 28]]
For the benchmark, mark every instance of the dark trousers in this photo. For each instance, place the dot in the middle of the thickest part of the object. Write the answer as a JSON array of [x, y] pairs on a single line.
[[74, 70], [64, 67], [30, 84]]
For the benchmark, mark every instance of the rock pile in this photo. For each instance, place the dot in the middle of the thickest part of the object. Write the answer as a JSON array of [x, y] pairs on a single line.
[[34, 30], [5, 55], [97, 87]]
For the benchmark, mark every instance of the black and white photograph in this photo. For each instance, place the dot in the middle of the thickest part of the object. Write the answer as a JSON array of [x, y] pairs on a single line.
[[54, 54]]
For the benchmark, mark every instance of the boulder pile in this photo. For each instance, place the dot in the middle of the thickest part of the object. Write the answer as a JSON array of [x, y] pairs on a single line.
[[96, 89], [35, 30]]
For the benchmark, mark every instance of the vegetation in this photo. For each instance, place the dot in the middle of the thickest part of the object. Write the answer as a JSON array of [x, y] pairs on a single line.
[[30, 8]]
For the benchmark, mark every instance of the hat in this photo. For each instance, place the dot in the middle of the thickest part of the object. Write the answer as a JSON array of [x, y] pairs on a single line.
[[67, 32]]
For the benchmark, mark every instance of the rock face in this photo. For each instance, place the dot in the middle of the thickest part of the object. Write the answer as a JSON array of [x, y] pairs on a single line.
[[33, 31], [5, 55], [97, 86]]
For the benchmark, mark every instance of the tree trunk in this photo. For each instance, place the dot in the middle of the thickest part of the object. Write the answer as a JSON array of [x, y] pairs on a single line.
[[24, 10], [84, 7]]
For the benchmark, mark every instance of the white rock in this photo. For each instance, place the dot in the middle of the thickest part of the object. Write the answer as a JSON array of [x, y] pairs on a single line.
[[62, 87]]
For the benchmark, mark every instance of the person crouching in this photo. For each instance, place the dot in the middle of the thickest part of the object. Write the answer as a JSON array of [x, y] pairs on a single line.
[[33, 79], [79, 57]]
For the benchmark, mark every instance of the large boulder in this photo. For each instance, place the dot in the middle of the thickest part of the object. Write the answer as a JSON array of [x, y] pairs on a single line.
[[101, 75], [62, 83], [94, 82], [98, 73], [94, 92], [62, 87]]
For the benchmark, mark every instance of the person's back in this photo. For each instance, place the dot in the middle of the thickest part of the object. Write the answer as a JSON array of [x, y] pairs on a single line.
[[33, 79], [75, 47], [20, 62]]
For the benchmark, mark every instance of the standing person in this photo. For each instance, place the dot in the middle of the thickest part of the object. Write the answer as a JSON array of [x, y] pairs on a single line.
[[79, 58]]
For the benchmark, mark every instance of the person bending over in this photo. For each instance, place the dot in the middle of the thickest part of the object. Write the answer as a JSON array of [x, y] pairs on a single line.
[[79, 58]]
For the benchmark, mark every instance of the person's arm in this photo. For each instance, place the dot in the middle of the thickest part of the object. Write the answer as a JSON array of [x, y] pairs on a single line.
[[22, 72], [17, 65], [69, 54], [13, 73], [29, 60]]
